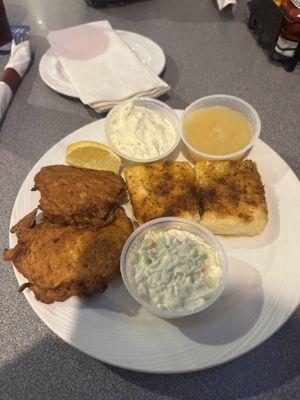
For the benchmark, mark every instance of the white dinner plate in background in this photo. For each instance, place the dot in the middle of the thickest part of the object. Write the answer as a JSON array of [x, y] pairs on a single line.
[[146, 50]]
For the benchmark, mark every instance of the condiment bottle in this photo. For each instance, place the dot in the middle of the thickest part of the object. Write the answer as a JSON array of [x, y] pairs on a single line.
[[5, 34], [291, 26]]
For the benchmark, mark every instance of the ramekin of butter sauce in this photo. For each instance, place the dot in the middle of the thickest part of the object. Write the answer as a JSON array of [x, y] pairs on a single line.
[[174, 267], [231, 103], [142, 130]]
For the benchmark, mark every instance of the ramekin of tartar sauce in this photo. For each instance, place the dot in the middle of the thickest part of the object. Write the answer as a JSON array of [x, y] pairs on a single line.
[[174, 267], [142, 130]]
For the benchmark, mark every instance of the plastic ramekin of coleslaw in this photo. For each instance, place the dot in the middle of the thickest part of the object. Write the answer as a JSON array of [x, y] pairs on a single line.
[[173, 267]]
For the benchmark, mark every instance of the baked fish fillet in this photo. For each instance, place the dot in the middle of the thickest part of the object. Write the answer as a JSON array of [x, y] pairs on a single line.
[[232, 197], [162, 189]]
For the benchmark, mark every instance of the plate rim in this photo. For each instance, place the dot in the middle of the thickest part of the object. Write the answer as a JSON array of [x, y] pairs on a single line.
[[153, 43], [47, 82], [165, 372]]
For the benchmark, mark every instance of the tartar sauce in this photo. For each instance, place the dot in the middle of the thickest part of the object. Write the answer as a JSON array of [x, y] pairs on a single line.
[[139, 132], [174, 270]]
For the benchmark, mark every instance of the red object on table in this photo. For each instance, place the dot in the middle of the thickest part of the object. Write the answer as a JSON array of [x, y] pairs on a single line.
[[5, 34], [291, 29]]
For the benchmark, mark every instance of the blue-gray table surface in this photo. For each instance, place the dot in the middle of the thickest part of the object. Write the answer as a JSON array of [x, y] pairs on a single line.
[[206, 54]]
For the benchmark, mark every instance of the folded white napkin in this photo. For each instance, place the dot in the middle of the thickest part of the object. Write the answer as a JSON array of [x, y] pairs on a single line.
[[224, 3], [101, 67], [14, 71]]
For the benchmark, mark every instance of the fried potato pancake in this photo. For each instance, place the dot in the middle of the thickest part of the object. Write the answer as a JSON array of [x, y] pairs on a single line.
[[62, 261], [232, 197], [78, 196], [162, 189]]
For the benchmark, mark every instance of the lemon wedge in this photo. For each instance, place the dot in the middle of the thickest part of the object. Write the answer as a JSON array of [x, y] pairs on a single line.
[[92, 155]]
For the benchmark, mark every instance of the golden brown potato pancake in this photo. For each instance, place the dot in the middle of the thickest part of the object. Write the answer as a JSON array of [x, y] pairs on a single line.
[[78, 196], [62, 261]]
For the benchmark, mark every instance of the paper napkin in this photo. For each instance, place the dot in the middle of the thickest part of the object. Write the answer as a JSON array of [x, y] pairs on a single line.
[[101, 67], [13, 73], [224, 3]]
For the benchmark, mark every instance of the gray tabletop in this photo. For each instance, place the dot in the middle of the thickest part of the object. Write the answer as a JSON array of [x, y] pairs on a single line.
[[206, 54]]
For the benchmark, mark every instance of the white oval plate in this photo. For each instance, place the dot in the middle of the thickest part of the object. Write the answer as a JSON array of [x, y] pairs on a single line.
[[262, 290], [145, 49]]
